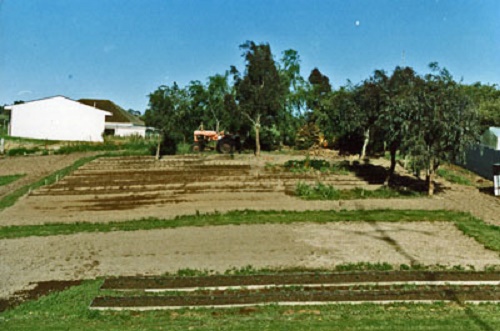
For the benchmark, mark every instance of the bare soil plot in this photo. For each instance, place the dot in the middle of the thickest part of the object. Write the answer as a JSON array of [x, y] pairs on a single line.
[[124, 188], [35, 168], [220, 248], [129, 188]]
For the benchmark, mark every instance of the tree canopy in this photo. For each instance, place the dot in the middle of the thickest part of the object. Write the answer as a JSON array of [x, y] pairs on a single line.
[[431, 118]]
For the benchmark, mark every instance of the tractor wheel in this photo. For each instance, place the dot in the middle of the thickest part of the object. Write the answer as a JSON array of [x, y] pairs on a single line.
[[225, 146], [198, 146]]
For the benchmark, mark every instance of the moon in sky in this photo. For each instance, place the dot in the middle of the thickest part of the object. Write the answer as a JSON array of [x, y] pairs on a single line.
[[357, 23]]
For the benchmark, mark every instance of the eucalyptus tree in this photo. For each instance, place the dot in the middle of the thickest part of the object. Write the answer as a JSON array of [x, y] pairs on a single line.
[[162, 112], [395, 117], [319, 91], [295, 89], [443, 124], [487, 100], [217, 89], [166, 110], [369, 97], [341, 117], [259, 92]]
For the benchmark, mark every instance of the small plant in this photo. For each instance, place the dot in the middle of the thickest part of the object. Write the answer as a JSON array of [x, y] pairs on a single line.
[[364, 266], [22, 151]]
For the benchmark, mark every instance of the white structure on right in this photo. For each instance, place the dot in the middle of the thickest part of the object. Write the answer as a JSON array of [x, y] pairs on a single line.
[[491, 138]]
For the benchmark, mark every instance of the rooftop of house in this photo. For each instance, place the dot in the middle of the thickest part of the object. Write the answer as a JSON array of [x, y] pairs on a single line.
[[119, 115]]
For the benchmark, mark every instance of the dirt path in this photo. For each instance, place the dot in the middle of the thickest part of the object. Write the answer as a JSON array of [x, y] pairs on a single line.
[[84, 256]]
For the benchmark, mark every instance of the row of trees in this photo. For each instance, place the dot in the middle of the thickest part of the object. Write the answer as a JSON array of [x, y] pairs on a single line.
[[431, 118]]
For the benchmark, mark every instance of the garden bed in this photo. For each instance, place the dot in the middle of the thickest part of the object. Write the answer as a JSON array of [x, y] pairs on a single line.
[[297, 289]]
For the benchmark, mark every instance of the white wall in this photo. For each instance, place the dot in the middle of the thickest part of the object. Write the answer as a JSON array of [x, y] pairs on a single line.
[[124, 130], [57, 118]]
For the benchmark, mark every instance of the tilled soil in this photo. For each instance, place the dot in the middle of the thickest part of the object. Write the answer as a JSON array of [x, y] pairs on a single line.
[[314, 295], [34, 167], [220, 248], [124, 188], [299, 279], [296, 288], [133, 188]]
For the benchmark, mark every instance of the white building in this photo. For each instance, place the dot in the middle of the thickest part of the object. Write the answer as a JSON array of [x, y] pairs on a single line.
[[120, 123], [491, 138], [57, 118]]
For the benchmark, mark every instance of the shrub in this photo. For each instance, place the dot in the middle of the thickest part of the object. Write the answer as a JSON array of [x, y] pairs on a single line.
[[22, 151]]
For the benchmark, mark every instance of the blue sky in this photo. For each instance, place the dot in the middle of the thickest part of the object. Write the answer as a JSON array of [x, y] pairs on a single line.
[[123, 50]]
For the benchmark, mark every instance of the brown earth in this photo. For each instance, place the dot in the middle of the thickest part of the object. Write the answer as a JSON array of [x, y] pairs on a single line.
[[294, 287], [301, 296], [34, 167], [118, 189], [132, 188]]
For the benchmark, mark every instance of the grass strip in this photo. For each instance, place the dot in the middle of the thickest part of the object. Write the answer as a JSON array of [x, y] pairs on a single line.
[[5, 180], [12, 198], [68, 310], [236, 218], [486, 234]]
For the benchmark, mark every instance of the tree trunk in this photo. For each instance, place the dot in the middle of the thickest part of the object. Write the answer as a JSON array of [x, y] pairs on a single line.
[[257, 139], [365, 144], [157, 157], [430, 183], [430, 178], [390, 172]]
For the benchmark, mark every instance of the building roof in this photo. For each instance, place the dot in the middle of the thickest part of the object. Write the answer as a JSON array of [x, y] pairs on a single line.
[[58, 99], [119, 115]]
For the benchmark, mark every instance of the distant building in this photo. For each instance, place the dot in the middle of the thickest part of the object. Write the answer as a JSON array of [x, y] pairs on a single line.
[[481, 158], [120, 123], [57, 118], [491, 138]]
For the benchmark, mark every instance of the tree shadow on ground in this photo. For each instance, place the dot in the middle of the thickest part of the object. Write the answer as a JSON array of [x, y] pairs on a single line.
[[488, 190], [375, 174]]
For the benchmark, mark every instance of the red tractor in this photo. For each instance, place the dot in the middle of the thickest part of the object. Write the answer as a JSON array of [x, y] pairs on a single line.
[[224, 143]]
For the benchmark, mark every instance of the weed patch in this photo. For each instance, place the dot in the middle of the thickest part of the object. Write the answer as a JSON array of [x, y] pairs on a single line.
[[321, 191]]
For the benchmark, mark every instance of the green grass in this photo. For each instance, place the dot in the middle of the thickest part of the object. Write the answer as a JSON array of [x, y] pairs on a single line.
[[321, 191], [258, 217], [234, 218], [308, 164], [68, 310], [138, 145], [456, 176], [5, 180]]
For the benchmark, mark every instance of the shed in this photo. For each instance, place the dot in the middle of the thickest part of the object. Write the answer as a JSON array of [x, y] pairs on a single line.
[[121, 122], [57, 118]]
